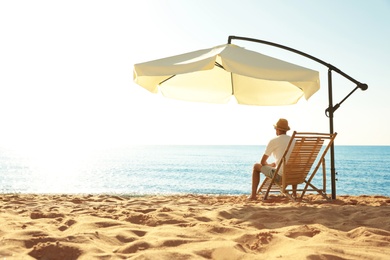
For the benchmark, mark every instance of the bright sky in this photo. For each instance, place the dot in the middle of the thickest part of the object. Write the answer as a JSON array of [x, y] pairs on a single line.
[[66, 70]]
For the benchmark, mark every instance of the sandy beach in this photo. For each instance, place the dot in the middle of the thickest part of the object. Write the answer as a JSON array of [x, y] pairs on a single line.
[[192, 227]]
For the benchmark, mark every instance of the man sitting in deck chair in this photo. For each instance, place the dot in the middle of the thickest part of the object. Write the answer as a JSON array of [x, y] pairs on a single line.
[[276, 147]]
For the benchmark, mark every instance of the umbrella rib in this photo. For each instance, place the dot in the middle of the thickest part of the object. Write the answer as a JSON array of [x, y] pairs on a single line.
[[219, 65], [166, 79], [231, 75], [216, 64]]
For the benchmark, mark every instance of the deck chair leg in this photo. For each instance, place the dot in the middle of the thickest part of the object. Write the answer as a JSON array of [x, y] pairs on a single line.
[[268, 189], [293, 190], [308, 182], [270, 182], [319, 191], [289, 196], [262, 185]]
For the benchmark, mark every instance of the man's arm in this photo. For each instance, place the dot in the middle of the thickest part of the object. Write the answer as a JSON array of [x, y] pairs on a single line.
[[265, 163]]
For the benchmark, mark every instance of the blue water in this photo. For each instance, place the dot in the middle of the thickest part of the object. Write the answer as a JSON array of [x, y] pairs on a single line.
[[140, 170]]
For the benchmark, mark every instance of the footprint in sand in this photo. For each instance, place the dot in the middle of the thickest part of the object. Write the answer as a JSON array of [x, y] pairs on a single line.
[[304, 230], [55, 251], [264, 237], [39, 214], [133, 247], [127, 236], [67, 224], [255, 242]]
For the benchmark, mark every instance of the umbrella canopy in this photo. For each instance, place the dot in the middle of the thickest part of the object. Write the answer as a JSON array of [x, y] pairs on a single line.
[[214, 75]]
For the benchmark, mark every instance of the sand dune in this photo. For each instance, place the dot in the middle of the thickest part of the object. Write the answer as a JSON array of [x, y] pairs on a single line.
[[192, 227]]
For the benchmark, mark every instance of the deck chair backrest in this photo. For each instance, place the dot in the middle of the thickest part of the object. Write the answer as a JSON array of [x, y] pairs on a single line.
[[302, 158]]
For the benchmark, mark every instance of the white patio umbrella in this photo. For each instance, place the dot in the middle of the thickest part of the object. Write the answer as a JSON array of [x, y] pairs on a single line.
[[214, 75]]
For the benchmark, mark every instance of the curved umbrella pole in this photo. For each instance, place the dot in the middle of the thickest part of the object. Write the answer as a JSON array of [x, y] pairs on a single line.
[[329, 112]]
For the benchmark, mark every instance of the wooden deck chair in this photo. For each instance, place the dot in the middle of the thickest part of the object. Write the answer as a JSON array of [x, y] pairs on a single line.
[[303, 150]]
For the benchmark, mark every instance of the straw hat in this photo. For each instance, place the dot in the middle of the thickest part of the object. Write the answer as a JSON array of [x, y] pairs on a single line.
[[282, 124]]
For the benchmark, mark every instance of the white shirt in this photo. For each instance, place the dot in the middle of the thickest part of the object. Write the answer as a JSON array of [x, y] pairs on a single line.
[[276, 148]]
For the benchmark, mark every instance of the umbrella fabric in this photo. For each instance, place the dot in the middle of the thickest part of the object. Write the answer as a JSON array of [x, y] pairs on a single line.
[[214, 75]]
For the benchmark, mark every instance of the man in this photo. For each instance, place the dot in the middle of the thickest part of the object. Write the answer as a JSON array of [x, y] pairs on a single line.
[[276, 147]]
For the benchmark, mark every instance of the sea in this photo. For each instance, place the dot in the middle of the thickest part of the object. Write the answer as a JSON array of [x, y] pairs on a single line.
[[181, 169]]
